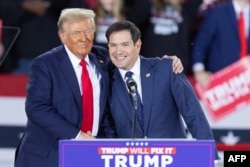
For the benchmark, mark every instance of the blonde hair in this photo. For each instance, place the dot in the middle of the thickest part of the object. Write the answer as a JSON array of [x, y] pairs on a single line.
[[74, 14]]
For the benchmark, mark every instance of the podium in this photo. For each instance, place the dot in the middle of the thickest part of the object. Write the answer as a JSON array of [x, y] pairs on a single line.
[[136, 153]]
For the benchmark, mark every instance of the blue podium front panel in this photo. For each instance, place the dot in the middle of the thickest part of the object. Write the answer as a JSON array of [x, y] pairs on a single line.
[[136, 153]]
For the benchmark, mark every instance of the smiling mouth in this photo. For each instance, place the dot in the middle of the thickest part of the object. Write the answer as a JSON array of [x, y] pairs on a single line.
[[120, 57], [84, 45]]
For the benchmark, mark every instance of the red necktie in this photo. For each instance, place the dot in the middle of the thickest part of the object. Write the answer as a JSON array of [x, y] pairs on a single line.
[[242, 35], [87, 99]]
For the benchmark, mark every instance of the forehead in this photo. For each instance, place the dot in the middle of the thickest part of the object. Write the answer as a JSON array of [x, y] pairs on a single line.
[[120, 36], [80, 24]]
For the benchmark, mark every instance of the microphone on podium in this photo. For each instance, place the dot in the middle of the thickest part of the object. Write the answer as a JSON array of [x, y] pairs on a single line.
[[131, 84], [132, 87]]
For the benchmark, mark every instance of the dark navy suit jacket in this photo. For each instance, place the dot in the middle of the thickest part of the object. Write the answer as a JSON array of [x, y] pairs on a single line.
[[53, 106], [166, 97], [217, 44]]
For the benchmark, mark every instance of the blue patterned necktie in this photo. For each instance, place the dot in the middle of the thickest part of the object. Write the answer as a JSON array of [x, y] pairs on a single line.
[[139, 113]]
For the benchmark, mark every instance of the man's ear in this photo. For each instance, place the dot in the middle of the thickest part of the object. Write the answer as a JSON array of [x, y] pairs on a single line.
[[62, 37], [138, 44]]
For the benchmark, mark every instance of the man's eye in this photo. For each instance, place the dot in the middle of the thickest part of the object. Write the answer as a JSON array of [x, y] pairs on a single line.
[[125, 44], [88, 31], [75, 33], [112, 45]]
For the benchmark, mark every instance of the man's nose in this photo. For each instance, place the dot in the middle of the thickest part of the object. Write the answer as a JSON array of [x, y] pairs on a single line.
[[83, 36], [119, 49]]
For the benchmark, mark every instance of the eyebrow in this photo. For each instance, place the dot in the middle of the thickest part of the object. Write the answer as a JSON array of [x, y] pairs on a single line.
[[119, 43]]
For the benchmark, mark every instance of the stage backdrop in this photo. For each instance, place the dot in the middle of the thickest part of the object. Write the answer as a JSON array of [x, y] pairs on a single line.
[[231, 129]]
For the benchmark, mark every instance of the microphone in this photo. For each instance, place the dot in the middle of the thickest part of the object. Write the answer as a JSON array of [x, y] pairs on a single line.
[[131, 84]]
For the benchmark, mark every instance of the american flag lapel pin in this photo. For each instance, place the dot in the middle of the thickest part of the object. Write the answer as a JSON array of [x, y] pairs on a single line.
[[148, 75]]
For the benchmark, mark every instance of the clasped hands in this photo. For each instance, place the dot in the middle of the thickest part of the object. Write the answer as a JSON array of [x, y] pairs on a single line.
[[83, 135]]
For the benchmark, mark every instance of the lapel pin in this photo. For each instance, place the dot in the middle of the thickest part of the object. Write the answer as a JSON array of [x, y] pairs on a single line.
[[148, 75], [100, 61]]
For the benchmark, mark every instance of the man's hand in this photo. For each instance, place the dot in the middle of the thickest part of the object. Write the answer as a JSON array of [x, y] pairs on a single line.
[[202, 78], [216, 163], [83, 136], [177, 65]]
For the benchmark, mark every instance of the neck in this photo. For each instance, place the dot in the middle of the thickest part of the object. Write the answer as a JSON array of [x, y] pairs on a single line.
[[243, 3]]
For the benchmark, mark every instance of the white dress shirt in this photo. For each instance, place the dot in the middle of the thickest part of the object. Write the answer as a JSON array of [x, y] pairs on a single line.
[[95, 78]]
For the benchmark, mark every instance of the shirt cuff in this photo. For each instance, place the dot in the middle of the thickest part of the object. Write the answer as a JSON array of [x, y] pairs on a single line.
[[198, 67]]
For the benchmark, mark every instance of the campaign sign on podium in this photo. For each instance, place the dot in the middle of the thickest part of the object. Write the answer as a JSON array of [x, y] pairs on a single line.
[[136, 153]]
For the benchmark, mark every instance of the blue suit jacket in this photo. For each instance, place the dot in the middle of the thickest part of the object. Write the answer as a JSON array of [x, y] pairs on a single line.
[[53, 105], [217, 42], [165, 97]]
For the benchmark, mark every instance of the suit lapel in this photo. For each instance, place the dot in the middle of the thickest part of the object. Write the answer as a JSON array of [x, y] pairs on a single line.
[[121, 95], [103, 86], [69, 74], [147, 83]]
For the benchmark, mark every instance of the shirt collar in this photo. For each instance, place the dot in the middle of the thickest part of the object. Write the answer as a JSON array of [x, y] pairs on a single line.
[[135, 69], [74, 59], [238, 9]]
